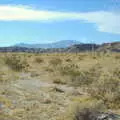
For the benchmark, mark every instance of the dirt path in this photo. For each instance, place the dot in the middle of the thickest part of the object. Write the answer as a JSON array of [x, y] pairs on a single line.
[[34, 84], [45, 100]]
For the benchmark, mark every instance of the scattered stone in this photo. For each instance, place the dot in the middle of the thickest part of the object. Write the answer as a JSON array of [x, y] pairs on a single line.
[[59, 90]]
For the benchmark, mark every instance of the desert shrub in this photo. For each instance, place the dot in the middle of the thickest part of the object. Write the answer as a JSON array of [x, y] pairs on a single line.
[[86, 114], [55, 61], [34, 74], [98, 54], [82, 56], [86, 77], [59, 81], [107, 88], [117, 57], [5, 101], [7, 77], [48, 69], [116, 73], [16, 63], [69, 70], [88, 110], [81, 79], [39, 60], [78, 77], [30, 55], [68, 60], [2, 79], [94, 57]]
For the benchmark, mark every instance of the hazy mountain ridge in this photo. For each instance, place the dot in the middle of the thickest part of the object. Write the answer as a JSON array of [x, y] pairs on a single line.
[[113, 47], [59, 44]]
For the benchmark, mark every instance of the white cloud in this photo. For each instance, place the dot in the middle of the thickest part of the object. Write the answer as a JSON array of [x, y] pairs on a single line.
[[105, 21]]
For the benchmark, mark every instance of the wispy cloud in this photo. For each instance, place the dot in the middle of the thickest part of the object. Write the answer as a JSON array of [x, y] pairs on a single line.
[[104, 21]]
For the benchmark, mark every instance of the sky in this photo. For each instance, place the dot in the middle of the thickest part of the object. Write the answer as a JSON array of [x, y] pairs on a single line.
[[46, 21]]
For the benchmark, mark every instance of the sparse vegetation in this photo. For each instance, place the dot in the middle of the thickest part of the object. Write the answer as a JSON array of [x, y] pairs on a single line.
[[16, 63], [107, 88], [39, 60], [55, 61], [58, 83], [117, 57]]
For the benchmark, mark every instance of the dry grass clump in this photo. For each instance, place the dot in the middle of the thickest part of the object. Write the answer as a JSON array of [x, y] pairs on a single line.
[[86, 114], [78, 77], [83, 108], [86, 77], [2, 77], [68, 60], [39, 60], [105, 85], [5, 101], [70, 70], [116, 73], [59, 81], [16, 62], [117, 57], [107, 88], [82, 56], [8, 76], [34, 74], [48, 69], [55, 61]]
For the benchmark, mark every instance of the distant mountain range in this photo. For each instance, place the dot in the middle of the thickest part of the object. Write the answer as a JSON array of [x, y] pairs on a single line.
[[59, 44], [63, 46]]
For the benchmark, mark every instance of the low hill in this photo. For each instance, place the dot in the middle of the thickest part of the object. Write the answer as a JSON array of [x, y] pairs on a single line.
[[115, 47], [82, 47]]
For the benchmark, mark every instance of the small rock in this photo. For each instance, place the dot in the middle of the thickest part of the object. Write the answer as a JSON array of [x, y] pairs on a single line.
[[59, 90]]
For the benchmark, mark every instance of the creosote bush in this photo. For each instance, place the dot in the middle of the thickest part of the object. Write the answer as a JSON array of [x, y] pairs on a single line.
[[16, 63]]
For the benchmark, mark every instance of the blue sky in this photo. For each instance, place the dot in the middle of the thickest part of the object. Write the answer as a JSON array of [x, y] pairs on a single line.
[[43, 21]]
